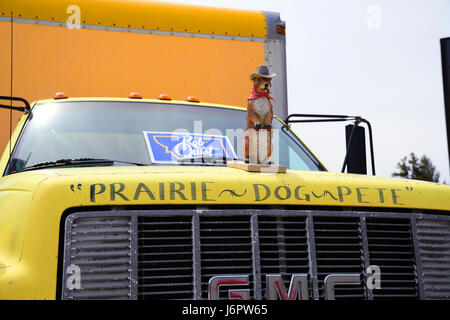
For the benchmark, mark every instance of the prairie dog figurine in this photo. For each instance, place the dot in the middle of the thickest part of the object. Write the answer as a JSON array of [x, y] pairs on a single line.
[[258, 129]]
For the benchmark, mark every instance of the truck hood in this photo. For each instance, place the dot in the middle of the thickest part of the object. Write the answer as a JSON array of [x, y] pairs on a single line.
[[32, 203], [205, 185]]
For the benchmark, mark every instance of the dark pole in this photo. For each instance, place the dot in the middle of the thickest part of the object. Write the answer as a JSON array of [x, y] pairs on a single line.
[[445, 55]]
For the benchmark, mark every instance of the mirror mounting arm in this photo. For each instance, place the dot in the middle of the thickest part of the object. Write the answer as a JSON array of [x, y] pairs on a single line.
[[337, 118]]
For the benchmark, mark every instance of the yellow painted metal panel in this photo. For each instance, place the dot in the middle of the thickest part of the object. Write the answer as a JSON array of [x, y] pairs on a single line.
[[144, 14], [102, 63]]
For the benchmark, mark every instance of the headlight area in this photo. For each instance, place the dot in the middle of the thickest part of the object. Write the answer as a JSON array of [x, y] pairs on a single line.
[[14, 211]]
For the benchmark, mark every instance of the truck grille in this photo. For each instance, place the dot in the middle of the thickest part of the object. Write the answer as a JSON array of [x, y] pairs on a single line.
[[338, 250], [434, 247], [225, 248], [165, 267], [173, 254], [101, 248], [283, 247], [391, 248]]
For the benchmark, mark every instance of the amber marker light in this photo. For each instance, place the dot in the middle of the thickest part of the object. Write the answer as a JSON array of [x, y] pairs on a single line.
[[281, 30], [135, 95], [164, 96], [60, 95], [192, 99]]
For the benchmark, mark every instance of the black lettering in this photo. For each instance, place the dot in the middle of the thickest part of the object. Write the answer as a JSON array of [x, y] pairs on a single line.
[[114, 192], [257, 195], [297, 195], [193, 191], [324, 194], [205, 191], [395, 196], [94, 192], [361, 195], [161, 191], [341, 194], [143, 188], [177, 191], [381, 194], [287, 191]]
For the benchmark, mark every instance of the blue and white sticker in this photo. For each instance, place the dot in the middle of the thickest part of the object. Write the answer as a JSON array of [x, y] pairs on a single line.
[[172, 147]]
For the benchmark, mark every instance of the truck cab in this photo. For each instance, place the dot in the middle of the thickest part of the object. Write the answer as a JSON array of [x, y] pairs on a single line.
[[130, 198]]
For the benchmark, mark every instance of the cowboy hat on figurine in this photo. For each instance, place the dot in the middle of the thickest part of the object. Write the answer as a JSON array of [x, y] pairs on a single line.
[[263, 72]]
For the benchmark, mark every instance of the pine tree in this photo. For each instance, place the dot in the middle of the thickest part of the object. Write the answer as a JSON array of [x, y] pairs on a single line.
[[413, 168]]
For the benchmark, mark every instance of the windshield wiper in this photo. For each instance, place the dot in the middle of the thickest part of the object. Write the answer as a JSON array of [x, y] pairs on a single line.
[[70, 162], [205, 160]]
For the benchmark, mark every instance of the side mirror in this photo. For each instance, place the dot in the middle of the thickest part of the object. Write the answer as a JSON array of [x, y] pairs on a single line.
[[356, 149]]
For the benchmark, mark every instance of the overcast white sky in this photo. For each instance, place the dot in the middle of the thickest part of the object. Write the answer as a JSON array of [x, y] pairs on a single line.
[[337, 64]]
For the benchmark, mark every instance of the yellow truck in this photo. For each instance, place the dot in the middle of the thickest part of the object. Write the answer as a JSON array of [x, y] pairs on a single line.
[[107, 194]]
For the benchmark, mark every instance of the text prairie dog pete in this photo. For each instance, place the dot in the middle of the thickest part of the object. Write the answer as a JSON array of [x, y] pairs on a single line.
[[258, 129]]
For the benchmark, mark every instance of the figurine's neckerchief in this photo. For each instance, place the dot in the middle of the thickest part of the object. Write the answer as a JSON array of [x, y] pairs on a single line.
[[258, 94]]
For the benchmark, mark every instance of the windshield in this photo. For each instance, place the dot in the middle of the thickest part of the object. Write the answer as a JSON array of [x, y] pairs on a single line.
[[117, 131]]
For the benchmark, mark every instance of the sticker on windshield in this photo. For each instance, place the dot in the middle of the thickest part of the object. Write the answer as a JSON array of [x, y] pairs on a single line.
[[173, 147]]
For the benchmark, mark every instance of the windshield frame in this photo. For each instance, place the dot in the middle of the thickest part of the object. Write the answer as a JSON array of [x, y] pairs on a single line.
[[25, 127]]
